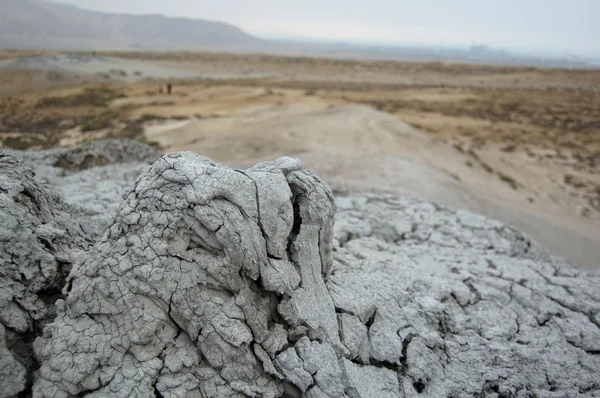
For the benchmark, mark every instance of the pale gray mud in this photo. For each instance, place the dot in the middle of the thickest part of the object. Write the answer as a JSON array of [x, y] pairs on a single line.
[[191, 279]]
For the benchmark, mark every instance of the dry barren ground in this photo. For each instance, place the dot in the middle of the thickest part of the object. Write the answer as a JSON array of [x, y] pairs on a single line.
[[519, 144]]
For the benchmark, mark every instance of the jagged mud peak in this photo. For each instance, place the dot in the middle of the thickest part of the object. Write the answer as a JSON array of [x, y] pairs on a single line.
[[39, 242], [205, 280]]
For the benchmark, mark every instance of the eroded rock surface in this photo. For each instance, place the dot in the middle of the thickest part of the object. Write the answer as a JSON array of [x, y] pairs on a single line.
[[88, 155], [457, 305], [12, 372], [216, 282], [207, 275], [92, 175], [39, 242]]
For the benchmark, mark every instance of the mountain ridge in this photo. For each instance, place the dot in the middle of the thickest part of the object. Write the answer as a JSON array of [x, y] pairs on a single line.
[[49, 25]]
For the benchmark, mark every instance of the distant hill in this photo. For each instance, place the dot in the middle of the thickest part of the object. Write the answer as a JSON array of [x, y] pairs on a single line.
[[45, 25]]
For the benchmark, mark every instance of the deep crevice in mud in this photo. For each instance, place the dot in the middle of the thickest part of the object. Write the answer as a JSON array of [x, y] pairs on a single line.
[[371, 320], [382, 364], [296, 225], [52, 293], [157, 393], [419, 386], [47, 244], [21, 346], [407, 340], [297, 220], [339, 310], [68, 285]]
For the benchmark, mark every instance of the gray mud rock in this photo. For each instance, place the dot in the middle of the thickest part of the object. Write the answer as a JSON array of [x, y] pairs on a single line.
[[39, 242], [12, 372], [206, 276], [92, 175], [89, 154], [457, 305], [218, 282]]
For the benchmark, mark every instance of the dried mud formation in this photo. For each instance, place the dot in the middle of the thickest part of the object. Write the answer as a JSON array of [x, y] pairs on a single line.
[[39, 242], [209, 282]]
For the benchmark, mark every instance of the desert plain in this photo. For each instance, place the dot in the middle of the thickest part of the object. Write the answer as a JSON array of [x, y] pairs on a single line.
[[518, 144]]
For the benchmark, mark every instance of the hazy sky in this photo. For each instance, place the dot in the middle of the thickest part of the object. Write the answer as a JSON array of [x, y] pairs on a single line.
[[557, 26]]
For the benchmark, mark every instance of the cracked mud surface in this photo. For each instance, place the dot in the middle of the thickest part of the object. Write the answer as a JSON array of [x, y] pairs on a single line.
[[224, 268], [460, 305], [39, 242], [207, 281]]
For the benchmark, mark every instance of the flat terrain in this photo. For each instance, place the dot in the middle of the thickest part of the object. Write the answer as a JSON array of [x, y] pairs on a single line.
[[518, 144]]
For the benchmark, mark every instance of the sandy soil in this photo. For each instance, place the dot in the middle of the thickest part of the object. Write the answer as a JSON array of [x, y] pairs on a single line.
[[518, 144]]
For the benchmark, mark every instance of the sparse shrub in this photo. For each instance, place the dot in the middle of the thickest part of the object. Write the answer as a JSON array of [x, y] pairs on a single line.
[[154, 144], [473, 154], [162, 103], [573, 181], [133, 129], [509, 180], [94, 124], [98, 97], [99, 122], [26, 142], [310, 92], [137, 73], [130, 133], [118, 72], [15, 143], [111, 114], [128, 107], [147, 117], [458, 148], [487, 167]]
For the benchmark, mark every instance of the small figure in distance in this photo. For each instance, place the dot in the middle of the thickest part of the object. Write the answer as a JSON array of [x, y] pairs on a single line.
[[169, 88]]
